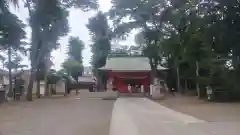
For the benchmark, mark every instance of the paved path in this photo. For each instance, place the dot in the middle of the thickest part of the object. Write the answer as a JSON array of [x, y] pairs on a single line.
[[140, 116], [63, 116]]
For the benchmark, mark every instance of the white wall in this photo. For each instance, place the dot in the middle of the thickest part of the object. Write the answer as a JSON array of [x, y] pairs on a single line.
[[60, 87], [5, 80]]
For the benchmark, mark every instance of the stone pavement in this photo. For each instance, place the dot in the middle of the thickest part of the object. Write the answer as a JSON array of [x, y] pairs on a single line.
[[141, 116]]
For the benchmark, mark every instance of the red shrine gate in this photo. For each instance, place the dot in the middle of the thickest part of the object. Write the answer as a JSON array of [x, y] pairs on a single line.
[[121, 80], [123, 71]]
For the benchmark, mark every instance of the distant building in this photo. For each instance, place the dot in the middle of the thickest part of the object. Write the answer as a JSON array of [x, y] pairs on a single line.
[[4, 79], [87, 71]]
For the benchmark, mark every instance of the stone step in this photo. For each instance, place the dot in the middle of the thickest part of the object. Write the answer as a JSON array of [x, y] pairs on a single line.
[[131, 95]]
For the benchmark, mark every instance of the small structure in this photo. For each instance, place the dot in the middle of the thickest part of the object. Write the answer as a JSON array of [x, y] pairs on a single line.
[[85, 83], [125, 71], [87, 71], [4, 78], [25, 75], [42, 88]]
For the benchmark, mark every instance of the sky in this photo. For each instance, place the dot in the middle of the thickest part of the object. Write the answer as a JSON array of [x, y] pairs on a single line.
[[77, 22]]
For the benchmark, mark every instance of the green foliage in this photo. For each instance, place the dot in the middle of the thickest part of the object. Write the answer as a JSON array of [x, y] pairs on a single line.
[[85, 5], [11, 31], [73, 64], [53, 77], [49, 23], [101, 38], [48, 20], [181, 33], [125, 50], [73, 68], [15, 64], [11, 35], [75, 48]]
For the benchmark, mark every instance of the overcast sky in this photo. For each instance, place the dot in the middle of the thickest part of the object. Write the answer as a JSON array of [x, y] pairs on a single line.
[[77, 23]]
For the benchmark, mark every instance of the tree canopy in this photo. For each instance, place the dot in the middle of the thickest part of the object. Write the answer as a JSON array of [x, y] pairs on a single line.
[[75, 48], [197, 40], [73, 65], [11, 36], [101, 37]]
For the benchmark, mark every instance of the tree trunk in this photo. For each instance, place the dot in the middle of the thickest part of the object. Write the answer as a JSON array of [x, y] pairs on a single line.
[[38, 89], [38, 86], [197, 82], [3, 64], [47, 91], [10, 71], [47, 68], [30, 85], [98, 80], [186, 85], [178, 81]]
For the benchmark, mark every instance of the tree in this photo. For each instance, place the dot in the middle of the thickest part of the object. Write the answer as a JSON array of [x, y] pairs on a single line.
[[125, 50], [226, 37], [182, 34], [75, 48], [147, 15], [15, 63], [11, 35], [5, 3], [74, 63], [73, 68], [101, 35], [101, 38], [2, 59], [48, 20]]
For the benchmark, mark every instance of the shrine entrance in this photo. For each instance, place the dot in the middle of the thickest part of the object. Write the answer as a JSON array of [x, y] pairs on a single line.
[[130, 82]]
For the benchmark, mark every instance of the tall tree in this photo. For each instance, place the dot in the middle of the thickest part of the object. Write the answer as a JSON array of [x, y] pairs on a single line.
[[11, 34], [147, 15], [74, 63], [48, 20], [101, 37], [75, 48]]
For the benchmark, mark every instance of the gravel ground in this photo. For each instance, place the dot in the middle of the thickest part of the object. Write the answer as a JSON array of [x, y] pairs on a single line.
[[211, 112], [60, 116]]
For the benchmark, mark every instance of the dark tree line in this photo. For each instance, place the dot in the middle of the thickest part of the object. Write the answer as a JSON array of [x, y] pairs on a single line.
[[197, 40]]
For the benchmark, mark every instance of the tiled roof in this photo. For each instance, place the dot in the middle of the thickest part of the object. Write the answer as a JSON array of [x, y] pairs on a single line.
[[128, 64]]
